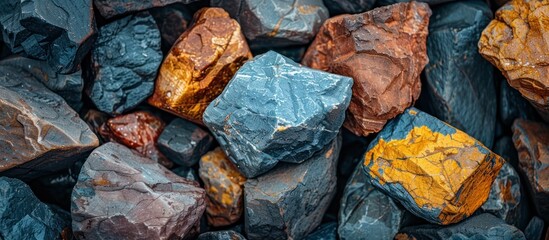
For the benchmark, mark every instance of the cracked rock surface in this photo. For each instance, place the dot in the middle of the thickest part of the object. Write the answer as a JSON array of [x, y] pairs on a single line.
[[277, 110], [125, 61], [39, 133], [505, 196], [111, 8], [200, 64], [122, 195], [384, 51], [289, 201], [434, 170]]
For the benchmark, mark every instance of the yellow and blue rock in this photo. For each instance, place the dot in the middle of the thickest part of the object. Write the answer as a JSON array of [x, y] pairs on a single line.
[[434, 170]]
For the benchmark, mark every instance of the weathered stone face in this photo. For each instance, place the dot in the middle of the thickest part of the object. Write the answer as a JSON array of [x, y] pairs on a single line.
[[436, 171], [326, 231], [111, 8], [515, 43], [277, 110], [505, 196], [122, 195], [200, 64], [39, 133], [224, 188], [384, 51]]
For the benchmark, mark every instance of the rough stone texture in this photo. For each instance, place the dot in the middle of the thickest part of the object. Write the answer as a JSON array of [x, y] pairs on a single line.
[[184, 142], [532, 143], [348, 6], [366, 211], [186, 172], [436, 171], [384, 51], [122, 195], [111, 8], [430, 2], [68, 86], [172, 21], [139, 131], [515, 42], [39, 133], [326, 231], [512, 105], [276, 23], [221, 235], [534, 230], [125, 61], [23, 216], [295, 53], [289, 201], [277, 110], [200, 64], [96, 120], [223, 183], [484, 226], [505, 196], [61, 32], [459, 86]]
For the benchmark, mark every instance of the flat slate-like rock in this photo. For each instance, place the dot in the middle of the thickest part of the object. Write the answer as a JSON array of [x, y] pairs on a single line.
[[23, 216], [276, 23], [224, 188], [532, 143], [484, 226], [434, 170], [505, 196], [59, 31], [111, 8], [39, 133], [277, 110], [221, 235], [534, 230], [384, 51], [184, 142], [512, 105], [459, 86], [366, 211], [125, 61], [515, 43], [68, 86], [200, 64], [122, 195], [289, 201], [326, 231], [348, 6]]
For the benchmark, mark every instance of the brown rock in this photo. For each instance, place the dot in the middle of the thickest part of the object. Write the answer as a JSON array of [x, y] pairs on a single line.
[[96, 120], [384, 51], [139, 131], [532, 142], [516, 43], [223, 183], [200, 64]]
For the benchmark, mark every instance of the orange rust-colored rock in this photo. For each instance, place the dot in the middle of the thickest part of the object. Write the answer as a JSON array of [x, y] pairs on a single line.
[[384, 51], [200, 64], [517, 43], [223, 183]]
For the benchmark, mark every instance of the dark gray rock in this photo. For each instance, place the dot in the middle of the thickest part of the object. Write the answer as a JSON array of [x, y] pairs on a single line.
[[125, 60], [295, 53], [276, 23], [484, 226], [505, 196], [326, 231], [506, 149], [430, 2], [68, 86], [337, 7], [289, 201], [534, 230], [23, 216], [111, 8], [122, 195], [59, 31], [459, 87], [184, 142], [221, 235], [172, 21], [186, 172], [277, 110], [512, 105]]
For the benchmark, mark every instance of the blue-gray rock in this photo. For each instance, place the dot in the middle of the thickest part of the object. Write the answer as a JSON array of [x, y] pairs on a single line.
[[277, 110], [326, 231], [534, 230], [23, 216], [430, 2], [506, 149], [276, 23], [295, 53], [111, 8], [172, 21], [289, 201], [59, 31], [125, 61], [459, 87], [184, 142], [513, 105], [122, 195], [484, 226], [221, 235], [337, 7], [68, 86], [186, 172]]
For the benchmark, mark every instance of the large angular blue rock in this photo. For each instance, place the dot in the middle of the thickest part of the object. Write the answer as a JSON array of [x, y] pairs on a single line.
[[125, 60], [23, 216], [459, 87], [277, 110]]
